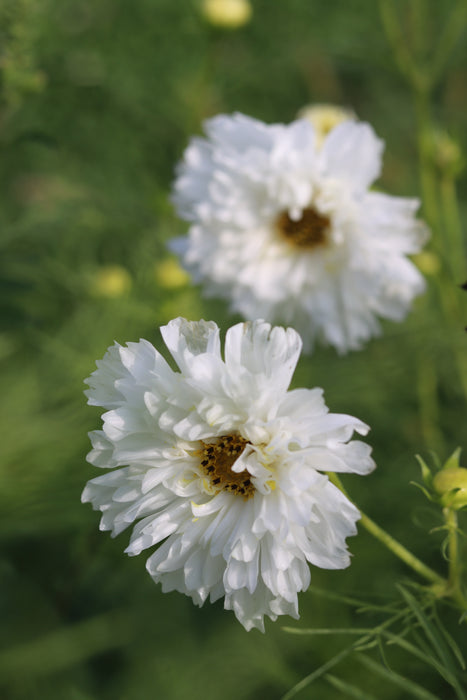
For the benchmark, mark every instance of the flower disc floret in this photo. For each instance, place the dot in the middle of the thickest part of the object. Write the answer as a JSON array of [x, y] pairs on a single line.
[[221, 466], [284, 226]]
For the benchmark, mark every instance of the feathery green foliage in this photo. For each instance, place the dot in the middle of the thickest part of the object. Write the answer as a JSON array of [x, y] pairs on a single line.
[[97, 102]]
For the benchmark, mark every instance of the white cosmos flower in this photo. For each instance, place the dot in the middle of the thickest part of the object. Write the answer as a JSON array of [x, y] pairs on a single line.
[[284, 226], [221, 466]]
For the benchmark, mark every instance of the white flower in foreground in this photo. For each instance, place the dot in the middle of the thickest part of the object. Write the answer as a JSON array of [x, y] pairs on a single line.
[[222, 465], [285, 228]]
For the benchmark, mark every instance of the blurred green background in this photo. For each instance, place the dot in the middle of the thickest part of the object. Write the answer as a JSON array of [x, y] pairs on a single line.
[[98, 99]]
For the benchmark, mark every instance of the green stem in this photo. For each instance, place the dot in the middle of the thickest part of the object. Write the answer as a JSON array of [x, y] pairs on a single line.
[[400, 551], [455, 590], [453, 225], [450, 36], [451, 309], [402, 55], [426, 164], [393, 545], [420, 82], [427, 389], [419, 27], [453, 550]]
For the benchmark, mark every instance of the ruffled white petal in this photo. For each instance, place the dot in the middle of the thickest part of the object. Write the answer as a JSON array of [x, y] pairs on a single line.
[[234, 184], [188, 339], [352, 153], [210, 543]]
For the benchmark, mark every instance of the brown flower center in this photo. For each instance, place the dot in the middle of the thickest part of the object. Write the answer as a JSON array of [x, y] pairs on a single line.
[[309, 231], [217, 459]]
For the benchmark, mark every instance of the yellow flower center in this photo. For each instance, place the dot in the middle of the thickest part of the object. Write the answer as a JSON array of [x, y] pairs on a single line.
[[217, 459], [310, 231]]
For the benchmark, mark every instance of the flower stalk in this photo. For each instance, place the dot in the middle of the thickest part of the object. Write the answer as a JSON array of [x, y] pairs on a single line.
[[393, 545], [454, 580], [400, 551]]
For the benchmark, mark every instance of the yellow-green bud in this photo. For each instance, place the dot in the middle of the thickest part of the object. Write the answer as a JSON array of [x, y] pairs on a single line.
[[447, 153], [170, 275], [451, 485], [427, 262], [324, 118], [228, 14], [111, 282]]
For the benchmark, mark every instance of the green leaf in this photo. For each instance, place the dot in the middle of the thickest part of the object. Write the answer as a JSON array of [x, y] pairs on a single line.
[[354, 602], [423, 489], [328, 631], [351, 690], [318, 673], [452, 643], [413, 689], [453, 461], [426, 472], [446, 668], [429, 629]]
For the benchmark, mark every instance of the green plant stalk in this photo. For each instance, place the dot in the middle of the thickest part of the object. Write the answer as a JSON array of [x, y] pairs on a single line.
[[392, 28], [453, 226], [421, 82], [431, 205], [427, 389], [427, 174], [393, 545], [450, 309], [450, 36], [400, 551], [454, 584]]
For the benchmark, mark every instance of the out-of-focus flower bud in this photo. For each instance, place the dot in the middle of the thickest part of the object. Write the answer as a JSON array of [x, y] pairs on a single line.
[[170, 275], [324, 118], [228, 14], [111, 282], [427, 262], [447, 153]]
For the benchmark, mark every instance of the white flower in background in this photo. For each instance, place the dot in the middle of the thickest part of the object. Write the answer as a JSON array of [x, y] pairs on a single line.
[[287, 230], [222, 466], [324, 118]]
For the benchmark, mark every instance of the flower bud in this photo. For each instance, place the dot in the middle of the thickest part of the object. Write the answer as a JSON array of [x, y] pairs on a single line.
[[324, 118], [228, 14], [447, 153], [111, 282], [451, 485], [170, 275], [427, 262]]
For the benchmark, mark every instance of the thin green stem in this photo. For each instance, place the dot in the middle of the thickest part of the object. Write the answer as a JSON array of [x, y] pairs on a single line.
[[402, 56], [393, 545], [453, 549], [425, 152], [454, 578], [419, 27], [400, 551], [450, 36], [427, 389], [453, 226], [451, 310]]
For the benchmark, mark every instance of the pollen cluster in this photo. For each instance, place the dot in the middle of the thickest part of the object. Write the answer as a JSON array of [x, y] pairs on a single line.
[[307, 232], [217, 459]]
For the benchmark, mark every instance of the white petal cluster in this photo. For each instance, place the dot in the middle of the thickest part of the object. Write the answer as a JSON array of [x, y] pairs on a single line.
[[235, 185], [252, 549]]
